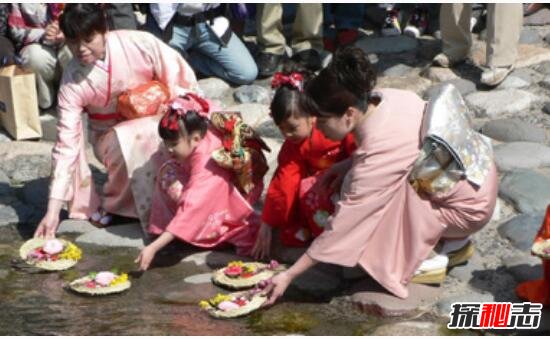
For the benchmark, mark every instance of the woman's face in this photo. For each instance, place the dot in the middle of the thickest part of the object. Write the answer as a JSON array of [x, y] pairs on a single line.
[[184, 147], [335, 128], [90, 49], [296, 128]]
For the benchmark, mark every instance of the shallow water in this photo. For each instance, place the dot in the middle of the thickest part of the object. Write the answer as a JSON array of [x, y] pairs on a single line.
[[159, 303]]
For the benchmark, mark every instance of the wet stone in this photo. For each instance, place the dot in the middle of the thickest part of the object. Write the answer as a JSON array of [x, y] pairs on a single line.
[[408, 328], [497, 103], [398, 70], [545, 83], [465, 272], [516, 155], [509, 130], [199, 279], [23, 168], [546, 107], [440, 74], [252, 94], [318, 281], [129, 235], [415, 84], [529, 36], [13, 212], [36, 192], [198, 259], [521, 230], [4, 274], [75, 226], [513, 82], [523, 267], [5, 185], [370, 297], [464, 86], [443, 306], [527, 190]]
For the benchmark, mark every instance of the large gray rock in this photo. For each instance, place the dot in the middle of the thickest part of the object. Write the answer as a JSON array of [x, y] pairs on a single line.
[[214, 88], [512, 81], [546, 107], [443, 306], [521, 230], [466, 272], [383, 45], [5, 185], [398, 70], [253, 114], [408, 328], [370, 297], [411, 83], [543, 68], [545, 83], [464, 86], [196, 279], [495, 104], [523, 267], [510, 130], [440, 74], [198, 259], [527, 190], [318, 281], [23, 168], [268, 129], [540, 18], [515, 155], [129, 235], [529, 36], [75, 226], [13, 212], [252, 94]]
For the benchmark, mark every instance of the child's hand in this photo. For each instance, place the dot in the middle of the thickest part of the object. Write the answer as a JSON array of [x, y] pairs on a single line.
[[145, 257], [262, 247]]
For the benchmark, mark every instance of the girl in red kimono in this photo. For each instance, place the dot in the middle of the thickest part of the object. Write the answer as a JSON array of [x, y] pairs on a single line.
[[296, 202]]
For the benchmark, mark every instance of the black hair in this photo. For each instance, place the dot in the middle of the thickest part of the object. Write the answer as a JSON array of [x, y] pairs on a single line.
[[80, 21], [348, 81], [286, 100], [186, 125]]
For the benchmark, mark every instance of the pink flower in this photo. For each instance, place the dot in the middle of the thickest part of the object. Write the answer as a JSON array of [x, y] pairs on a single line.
[[233, 271], [227, 306], [104, 278], [52, 247], [273, 264]]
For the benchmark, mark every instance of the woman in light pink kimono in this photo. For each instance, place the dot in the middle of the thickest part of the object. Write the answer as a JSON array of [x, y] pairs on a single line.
[[381, 222], [107, 64], [195, 199]]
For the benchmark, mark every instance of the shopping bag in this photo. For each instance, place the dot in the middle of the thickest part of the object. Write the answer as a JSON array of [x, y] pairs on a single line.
[[19, 113]]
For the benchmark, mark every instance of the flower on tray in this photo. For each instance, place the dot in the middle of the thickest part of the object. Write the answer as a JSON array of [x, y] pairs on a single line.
[[223, 302]]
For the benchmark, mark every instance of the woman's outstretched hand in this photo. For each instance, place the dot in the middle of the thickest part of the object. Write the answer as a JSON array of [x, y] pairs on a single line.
[[49, 223], [145, 257], [276, 287]]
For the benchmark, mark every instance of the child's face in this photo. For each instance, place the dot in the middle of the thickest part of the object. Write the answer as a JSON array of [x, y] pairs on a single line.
[[184, 147], [297, 128]]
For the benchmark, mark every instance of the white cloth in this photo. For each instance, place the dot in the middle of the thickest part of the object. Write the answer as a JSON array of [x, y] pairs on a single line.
[[190, 9], [163, 13]]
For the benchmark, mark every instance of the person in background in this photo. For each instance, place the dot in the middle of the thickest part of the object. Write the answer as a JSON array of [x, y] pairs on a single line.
[[504, 22], [120, 16], [347, 19], [7, 49], [202, 34], [41, 44], [307, 39]]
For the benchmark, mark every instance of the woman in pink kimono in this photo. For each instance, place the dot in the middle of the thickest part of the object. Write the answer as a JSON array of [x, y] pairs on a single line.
[[195, 199], [387, 221], [107, 64]]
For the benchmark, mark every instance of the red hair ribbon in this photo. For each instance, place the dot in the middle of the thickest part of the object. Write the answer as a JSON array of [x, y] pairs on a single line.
[[178, 107], [294, 79]]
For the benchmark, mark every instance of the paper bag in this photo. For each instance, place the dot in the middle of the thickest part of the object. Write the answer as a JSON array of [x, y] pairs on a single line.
[[19, 113]]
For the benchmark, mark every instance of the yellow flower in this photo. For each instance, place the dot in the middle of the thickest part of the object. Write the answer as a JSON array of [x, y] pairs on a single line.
[[120, 279], [219, 298], [204, 304], [235, 263], [71, 252]]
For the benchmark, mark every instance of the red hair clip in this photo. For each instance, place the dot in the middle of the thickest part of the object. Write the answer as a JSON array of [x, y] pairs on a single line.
[[294, 79], [178, 107]]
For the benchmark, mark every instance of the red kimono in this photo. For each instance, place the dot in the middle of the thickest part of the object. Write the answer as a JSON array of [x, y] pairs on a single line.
[[292, 203]]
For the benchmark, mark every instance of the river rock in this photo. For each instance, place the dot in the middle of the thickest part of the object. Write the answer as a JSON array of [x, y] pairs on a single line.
[[318, 281], [253, 114], [23, 168], [14, 212], [5, 185], [543, 68], [523, 267], [196, 279], [408, 328], [439, 74], [383, 45], [129, 235], [191, 294], [509, 130], [370, 297], [75, 226], [214, 88], [464, 86], [545, 83], [497, 103], [515, 155], [398, 70], [465, 272], [540, 18], [529, 36], [521, 230], [546, 107], [527, 190], [410, 83], [252, 94], [198, 259], [512, 81], [443, 306]]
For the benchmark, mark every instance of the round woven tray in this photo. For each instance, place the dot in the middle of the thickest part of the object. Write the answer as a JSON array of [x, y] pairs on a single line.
[[219, 277], [539, 247], [254, 304], [58, 265], [78, 286]]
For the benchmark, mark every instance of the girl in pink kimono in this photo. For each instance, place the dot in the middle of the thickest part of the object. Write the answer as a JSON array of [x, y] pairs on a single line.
[[195, 199], [107, 64], [381, 222]]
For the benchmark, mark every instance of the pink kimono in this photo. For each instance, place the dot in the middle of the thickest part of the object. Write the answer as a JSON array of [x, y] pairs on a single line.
[[128, 149], [381, 223], [197, 202]]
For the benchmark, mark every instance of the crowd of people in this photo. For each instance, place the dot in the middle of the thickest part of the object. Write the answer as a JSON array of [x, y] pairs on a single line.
[[350, 182]]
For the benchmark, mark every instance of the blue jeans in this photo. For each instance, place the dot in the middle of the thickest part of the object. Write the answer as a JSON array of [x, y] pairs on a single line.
[[206, 55]]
